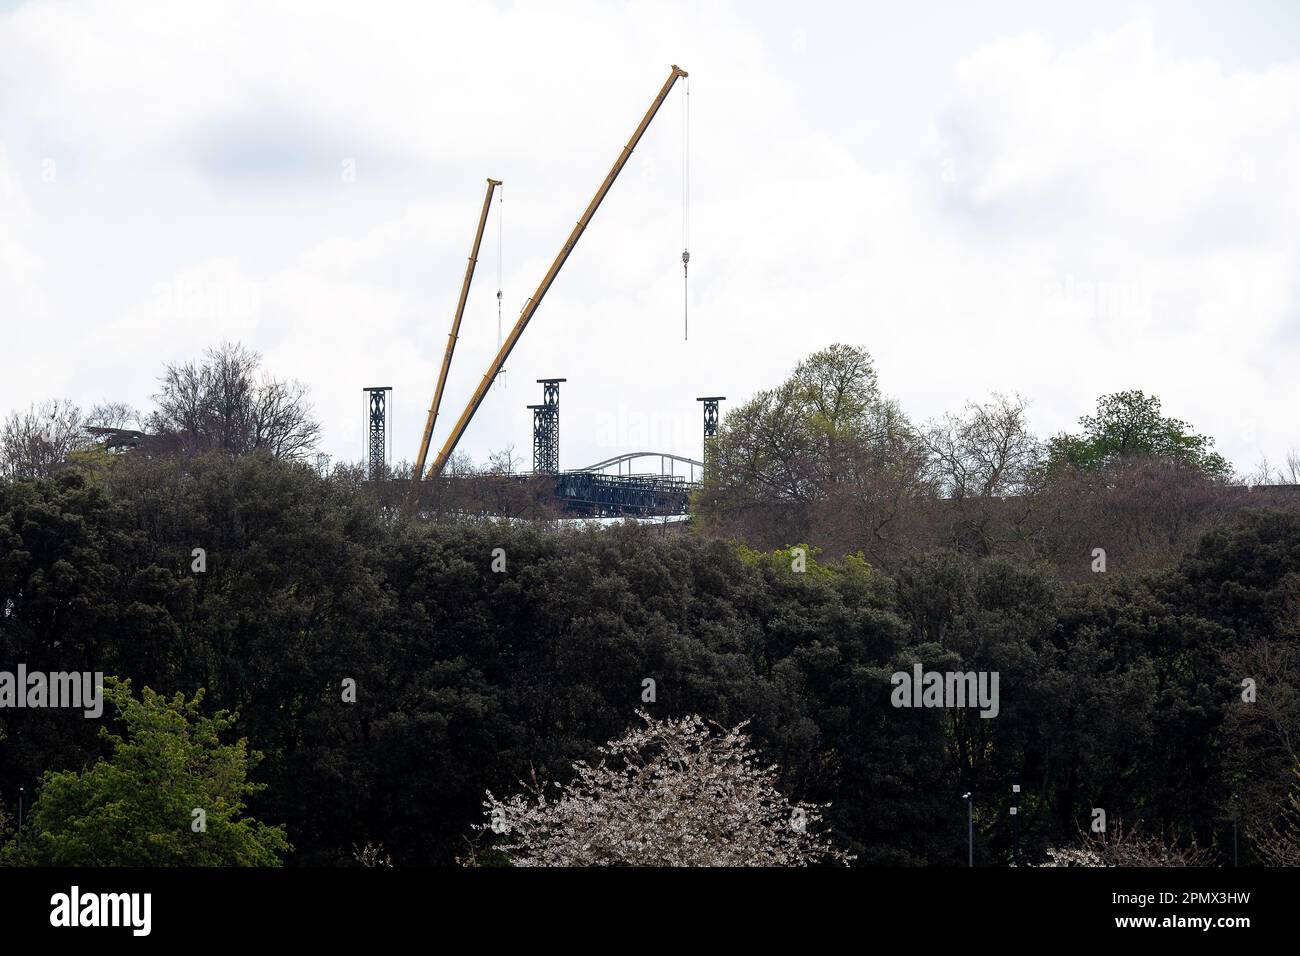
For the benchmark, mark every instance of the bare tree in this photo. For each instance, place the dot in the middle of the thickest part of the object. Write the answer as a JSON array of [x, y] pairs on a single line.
[[227, 404], [982, 462], [503, 462], [1278, 842], [1261, 739], [114, 415], [986, 452], [1265, 473], [281, 419], [35, 442], [1144, 510]]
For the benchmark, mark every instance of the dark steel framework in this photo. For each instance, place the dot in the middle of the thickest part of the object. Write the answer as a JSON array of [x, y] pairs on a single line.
[[584, 494], [377, 437], [710, 425], [591, 494], [546, 428]]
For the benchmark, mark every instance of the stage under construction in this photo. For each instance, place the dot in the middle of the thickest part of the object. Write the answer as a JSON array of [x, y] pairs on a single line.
[[570, 494], [594, 495]]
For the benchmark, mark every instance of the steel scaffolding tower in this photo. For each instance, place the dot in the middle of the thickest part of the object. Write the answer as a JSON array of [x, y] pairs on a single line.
[[541, 438], [710, 425], [546, 428], [377, 433]]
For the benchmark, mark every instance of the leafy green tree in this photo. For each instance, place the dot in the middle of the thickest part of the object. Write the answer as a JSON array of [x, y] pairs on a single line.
[[79, 587], [819, 427], [824, 444], [171, 794], [1131, 423]]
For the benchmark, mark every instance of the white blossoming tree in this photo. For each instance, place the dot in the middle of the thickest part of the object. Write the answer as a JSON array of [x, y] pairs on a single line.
[[1125, 847], [671, 793], [1278, 842]]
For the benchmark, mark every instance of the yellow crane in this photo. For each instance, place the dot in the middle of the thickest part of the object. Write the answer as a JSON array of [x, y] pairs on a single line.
[[492, 184], [530, 307]]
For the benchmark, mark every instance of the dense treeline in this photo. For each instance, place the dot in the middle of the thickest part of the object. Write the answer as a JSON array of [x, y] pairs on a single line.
[[1122, 693], [828, 458]]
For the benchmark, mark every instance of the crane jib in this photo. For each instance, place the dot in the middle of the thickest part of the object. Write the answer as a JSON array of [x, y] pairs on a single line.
[[531, 307], [452, 336]]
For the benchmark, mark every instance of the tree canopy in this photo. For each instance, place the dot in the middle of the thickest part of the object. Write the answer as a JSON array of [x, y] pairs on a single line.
[[1122, 692], [226, 403], [1131, 423], [669, 793], [171, 794], [394, 668]]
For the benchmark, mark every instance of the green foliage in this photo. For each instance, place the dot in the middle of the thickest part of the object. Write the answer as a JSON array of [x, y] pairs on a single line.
[[1131, 423], [1112, 694], [136, 808], [824, 425], [797, 558]]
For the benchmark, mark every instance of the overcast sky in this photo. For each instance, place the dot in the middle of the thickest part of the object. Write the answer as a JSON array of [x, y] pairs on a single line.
[[986, 196]]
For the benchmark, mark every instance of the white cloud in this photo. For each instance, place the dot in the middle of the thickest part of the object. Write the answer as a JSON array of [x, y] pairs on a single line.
[[1160, 193], [23, 307], [1086, 217]]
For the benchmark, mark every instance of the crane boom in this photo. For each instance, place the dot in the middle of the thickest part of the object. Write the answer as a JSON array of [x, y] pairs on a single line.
[[531, 305], [492, 184]]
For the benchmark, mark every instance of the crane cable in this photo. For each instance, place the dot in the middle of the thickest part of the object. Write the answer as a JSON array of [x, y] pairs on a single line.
[[686, 209]]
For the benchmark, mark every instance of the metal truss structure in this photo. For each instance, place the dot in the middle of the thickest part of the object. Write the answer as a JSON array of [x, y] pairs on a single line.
[[710, 424], [377, 434], [546, 428], [591, 494]]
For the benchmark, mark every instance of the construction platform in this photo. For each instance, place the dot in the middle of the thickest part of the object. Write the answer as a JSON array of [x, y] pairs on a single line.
[[573, 494], [597, 495]]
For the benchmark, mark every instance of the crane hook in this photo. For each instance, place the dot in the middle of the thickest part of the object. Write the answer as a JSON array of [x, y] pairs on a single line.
[[501, 373], [686, 309]]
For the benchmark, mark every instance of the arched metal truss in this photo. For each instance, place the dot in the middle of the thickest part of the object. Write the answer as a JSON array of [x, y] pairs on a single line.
[[627, 459]]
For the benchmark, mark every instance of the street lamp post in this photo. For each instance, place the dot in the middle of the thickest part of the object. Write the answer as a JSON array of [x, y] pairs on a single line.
[[970, 829], [1234, 829], [1015, 821]]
